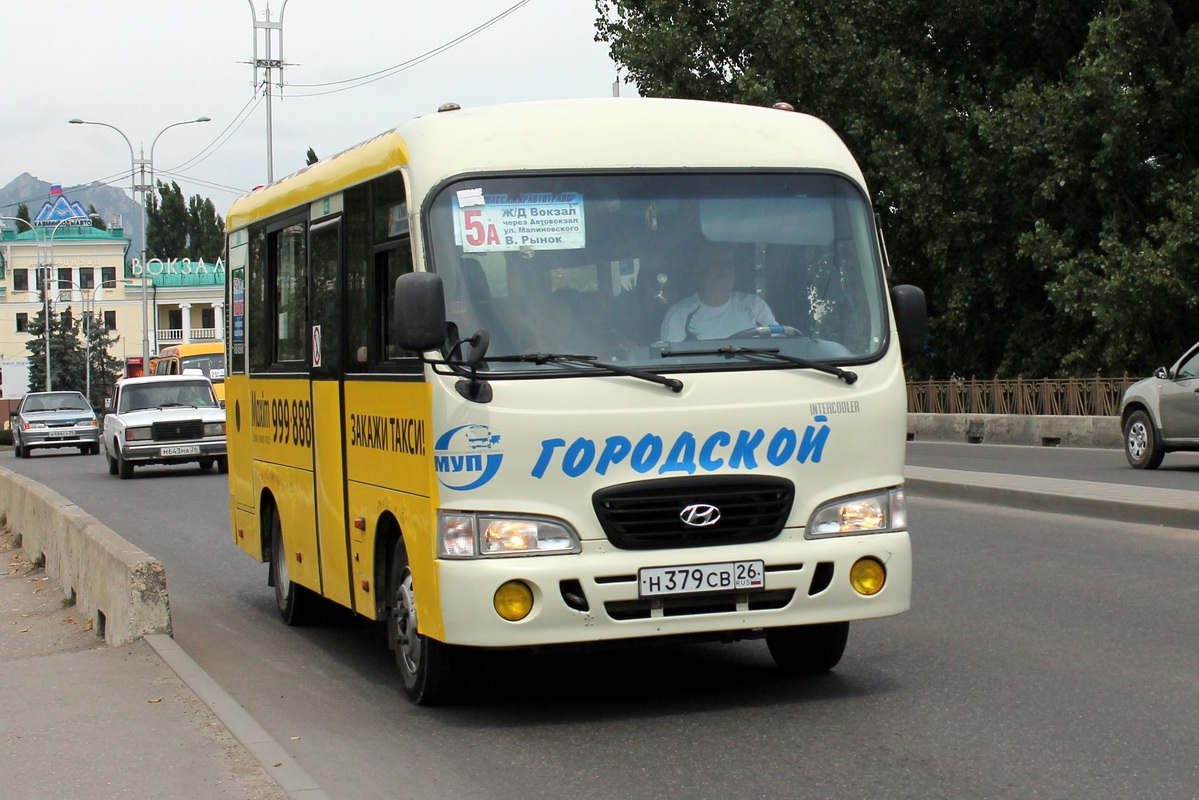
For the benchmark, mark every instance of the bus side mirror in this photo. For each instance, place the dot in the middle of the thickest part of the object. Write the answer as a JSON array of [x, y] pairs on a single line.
[[418, 316], [911, 318]]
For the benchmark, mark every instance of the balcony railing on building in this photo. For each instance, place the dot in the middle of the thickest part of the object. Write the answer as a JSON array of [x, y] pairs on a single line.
[[1088, 397], [167, 336]]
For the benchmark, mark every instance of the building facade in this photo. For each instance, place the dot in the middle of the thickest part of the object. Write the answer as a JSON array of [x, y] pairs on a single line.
[[88, 270]]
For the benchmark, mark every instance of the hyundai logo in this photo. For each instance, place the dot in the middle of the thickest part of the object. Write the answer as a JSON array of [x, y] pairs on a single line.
[[700, 515]]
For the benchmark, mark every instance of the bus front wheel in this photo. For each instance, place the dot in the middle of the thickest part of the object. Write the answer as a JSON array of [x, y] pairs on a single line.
[[428, 668], [808, 649], [297, 604]]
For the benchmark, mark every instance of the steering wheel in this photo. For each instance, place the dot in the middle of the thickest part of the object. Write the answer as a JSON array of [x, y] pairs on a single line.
[[768, 332]]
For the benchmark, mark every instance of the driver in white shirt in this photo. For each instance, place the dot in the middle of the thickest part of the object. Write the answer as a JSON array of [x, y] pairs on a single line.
[[715, 311]]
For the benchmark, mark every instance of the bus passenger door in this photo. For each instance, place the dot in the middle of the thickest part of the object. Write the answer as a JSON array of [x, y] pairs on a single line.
[[238, 409], [326, 368]]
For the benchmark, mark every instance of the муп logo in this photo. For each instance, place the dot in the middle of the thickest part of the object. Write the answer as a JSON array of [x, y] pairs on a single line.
[[467, 457], [700, 515]]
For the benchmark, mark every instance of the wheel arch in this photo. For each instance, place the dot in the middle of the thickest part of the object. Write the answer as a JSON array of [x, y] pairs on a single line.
[[1133, 406], [388, 535], [268, 508]]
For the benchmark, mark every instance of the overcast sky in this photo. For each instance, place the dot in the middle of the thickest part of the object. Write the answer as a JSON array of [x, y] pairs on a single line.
[[141, 65]]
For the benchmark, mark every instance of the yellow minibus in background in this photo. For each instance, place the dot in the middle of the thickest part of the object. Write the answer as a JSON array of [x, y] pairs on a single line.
[[208, 357], [479, 389]]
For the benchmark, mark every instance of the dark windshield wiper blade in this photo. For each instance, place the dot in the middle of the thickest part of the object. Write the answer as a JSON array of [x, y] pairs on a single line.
[[673, 384], [772, 352]]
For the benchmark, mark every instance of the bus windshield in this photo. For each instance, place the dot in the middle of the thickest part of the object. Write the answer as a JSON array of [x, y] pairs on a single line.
[[655, 270], [211, 365]]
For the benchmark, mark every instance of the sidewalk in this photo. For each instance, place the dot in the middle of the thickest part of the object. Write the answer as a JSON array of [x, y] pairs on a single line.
[[84, 720]]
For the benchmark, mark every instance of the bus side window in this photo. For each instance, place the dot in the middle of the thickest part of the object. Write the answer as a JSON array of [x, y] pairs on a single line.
[[289, 268]]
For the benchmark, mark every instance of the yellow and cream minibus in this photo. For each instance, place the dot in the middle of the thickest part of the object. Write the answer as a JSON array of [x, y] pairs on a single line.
[[207, 357], [573, 373]]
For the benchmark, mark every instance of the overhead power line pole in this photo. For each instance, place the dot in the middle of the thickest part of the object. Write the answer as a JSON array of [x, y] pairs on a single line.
[[272, 32]]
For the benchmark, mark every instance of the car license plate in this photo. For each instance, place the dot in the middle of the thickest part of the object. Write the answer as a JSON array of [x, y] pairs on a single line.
[[730, 576], [61, 434], [182, 450]]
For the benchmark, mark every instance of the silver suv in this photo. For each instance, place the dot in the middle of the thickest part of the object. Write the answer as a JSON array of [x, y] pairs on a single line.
[[54, 419], [1161, 414]]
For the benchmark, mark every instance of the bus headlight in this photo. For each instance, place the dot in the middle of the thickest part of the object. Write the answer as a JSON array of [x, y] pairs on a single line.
[[467, 535], [876, 512]]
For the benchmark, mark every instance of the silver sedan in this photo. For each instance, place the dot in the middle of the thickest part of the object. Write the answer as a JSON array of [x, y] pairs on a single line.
[[54, 419]]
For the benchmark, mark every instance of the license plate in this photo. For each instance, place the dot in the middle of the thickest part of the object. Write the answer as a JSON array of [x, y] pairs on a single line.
[[61, 434], [730, 576], [182, 450]]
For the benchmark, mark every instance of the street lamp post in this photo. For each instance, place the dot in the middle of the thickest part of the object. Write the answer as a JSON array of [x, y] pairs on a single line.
[[37, 239], [46, 295], [46, 290], [88, 311], [145, 188]]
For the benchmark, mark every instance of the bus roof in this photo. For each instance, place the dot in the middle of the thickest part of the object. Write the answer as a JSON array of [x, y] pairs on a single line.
[[191, 349], [603, 133]]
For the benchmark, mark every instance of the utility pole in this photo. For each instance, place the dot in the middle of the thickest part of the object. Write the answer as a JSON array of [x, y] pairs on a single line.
[[272, 30]]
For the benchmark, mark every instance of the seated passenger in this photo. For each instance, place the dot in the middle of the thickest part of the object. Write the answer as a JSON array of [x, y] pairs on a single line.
[[715, 310]]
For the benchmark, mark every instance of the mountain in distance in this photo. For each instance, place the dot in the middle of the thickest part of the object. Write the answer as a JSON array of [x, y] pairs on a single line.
[[112, 204]]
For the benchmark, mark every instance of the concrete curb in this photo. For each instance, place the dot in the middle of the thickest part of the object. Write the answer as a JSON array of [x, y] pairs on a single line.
[[119, 587], [275, 761]]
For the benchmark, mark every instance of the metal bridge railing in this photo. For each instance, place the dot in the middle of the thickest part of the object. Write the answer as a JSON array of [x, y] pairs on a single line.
[[1088, 397]]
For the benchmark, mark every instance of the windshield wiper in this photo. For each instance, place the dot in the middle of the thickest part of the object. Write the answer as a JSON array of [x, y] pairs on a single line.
[[673, 384], [772, 352]]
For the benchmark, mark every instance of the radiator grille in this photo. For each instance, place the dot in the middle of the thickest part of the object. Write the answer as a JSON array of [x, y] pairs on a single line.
[[646, 515], [177, 431]]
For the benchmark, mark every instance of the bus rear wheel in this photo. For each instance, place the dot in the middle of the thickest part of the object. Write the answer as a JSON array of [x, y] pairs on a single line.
[[297, 604], [428, 668], [808, 649]]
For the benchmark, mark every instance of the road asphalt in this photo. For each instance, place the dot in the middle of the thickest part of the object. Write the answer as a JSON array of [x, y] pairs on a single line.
[[82, 719]]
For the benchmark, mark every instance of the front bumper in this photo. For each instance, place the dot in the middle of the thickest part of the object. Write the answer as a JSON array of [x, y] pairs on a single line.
[[59, 437], [173, 452], [806, 582]]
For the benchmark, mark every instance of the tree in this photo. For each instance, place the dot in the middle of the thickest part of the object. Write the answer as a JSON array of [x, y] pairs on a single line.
[[97, 220], [69, 354], [206, 230], [23, 214], [166, 223], [1033, 160], [106, 368], [179, 229], [66, 352]]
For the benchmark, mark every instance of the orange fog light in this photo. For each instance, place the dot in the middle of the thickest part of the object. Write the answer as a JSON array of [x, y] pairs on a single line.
[[513, 600], [867, 576]]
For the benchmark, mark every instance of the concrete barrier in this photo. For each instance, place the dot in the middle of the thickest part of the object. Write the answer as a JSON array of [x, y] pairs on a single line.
[[1028, 429], [120, 588]]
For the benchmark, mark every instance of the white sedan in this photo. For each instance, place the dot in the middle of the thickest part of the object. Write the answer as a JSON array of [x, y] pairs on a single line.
[[164, 419]]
